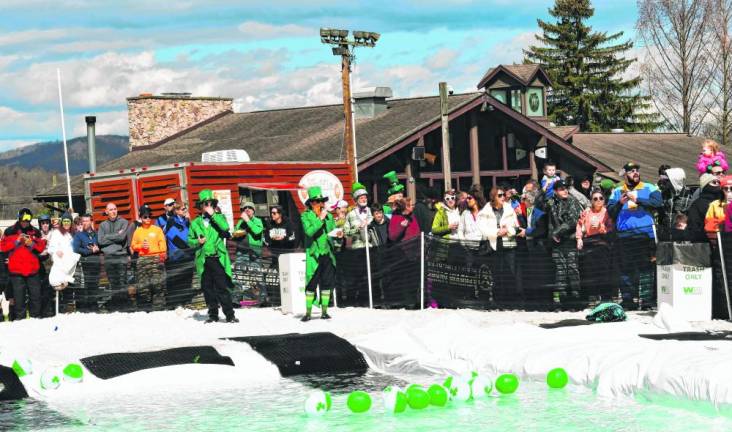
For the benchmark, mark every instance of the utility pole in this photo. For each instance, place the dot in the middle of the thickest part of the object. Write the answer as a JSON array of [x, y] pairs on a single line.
[[344, 47], [446, 171]]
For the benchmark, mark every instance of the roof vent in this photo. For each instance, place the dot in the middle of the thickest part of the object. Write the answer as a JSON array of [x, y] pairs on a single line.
[[617, 130], [225, 156], [371, 102]]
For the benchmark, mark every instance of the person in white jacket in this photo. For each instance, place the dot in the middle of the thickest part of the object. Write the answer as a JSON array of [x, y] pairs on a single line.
[[499, 225], [62, 253]]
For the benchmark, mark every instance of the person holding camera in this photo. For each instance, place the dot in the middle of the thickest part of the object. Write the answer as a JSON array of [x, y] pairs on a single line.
[[23, 244], [207, 236]]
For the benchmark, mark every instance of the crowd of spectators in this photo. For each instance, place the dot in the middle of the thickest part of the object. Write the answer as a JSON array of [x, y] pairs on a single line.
[[571, 220]]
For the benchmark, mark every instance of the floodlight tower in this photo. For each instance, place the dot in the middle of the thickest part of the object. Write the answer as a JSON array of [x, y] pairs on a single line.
[[344, 47]]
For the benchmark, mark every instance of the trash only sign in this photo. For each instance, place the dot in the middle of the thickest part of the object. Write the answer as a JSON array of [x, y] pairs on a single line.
[[685, 279]]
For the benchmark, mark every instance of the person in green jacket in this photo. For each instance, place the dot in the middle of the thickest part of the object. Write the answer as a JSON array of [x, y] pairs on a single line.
[[249, 253], [320, 231], [207, 235], [447, 219]]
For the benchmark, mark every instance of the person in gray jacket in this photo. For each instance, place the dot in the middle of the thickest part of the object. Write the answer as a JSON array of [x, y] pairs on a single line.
[[113, 241]]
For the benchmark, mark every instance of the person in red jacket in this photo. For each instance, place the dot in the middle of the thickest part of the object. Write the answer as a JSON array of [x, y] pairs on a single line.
[[23, 243]]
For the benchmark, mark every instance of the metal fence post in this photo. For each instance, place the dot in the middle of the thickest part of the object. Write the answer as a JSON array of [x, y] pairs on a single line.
[[421, 271], [724, 275], [368, 269]]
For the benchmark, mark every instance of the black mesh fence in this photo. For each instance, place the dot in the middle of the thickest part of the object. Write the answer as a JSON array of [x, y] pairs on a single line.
[[536, 274]]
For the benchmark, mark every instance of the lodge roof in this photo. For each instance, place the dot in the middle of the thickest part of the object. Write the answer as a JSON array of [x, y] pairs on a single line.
[[292, 134], [650, 150], [524, 73]]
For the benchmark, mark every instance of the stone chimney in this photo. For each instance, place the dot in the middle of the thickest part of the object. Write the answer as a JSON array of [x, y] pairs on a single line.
[[154, 118]]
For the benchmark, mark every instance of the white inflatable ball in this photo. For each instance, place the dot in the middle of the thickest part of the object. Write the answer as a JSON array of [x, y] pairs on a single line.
[[395, 400], [482, 387], [51, 379], [318, 403], [461, 390], [22, 367]]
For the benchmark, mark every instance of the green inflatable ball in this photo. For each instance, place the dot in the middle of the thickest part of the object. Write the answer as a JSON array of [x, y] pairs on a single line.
[[359, 401], [507, 383], [438, 395], [73, 373], [557, 378], [417, 397]]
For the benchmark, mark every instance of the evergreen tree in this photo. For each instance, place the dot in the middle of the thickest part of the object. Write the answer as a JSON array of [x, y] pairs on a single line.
[[586, 69]]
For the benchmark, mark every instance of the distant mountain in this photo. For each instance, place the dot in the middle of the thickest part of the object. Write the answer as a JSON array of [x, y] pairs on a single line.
[[50, 155]]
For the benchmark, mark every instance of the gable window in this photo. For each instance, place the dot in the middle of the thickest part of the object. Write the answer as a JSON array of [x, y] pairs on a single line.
[[500, 95], [516, 100]]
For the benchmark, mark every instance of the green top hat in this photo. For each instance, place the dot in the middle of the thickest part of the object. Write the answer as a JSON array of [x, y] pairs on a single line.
[[358, 189], [315, 194], [394, 185], [207, 195]]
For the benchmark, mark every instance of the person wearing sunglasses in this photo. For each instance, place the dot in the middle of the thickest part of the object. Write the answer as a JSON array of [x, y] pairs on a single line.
[[632, 205], [447, 218], [592, 228], [207, 235], [280, 234], [320, 240], [564, 212], [716, 218], [149, 242], [499, 225]]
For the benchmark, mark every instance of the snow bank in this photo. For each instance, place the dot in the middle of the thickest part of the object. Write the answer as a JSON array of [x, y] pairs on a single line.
[[608, 357]]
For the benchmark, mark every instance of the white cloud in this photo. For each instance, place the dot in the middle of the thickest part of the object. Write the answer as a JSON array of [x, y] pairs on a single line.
[[442, 59], [6, 145], [258, 30]]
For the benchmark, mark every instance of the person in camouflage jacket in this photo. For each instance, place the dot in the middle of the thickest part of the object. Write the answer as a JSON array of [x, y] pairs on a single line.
[[564, 212]]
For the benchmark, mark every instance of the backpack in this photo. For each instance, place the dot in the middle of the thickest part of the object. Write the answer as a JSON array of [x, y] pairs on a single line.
[[607, 312]]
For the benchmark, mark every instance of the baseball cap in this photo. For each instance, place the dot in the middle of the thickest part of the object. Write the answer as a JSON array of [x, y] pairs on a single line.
[[168, 201], [630, 165]]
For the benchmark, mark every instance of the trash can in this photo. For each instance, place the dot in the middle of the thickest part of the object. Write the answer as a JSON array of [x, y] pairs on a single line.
[[685, 279], [292, 283]]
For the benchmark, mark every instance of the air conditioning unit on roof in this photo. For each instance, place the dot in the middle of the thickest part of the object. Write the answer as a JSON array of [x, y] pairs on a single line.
[[225, 156]]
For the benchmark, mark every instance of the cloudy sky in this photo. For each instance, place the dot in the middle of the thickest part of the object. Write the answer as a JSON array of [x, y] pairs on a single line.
[[264, 54]]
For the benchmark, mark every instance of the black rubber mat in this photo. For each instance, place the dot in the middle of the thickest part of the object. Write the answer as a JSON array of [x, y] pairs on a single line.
[[296, 354], [567, 323], [11, 387], [107, 366], [691, 336]]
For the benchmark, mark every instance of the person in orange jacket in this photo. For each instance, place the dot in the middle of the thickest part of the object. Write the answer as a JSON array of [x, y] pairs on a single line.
[[149, 242], [23, 243]]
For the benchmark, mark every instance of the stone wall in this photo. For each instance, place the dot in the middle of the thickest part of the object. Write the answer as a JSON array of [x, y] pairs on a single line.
[[154, 118]]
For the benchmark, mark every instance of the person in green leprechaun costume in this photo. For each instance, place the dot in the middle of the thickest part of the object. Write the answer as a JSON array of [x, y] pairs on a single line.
[[318, 227], [207, 235], [394, 193]]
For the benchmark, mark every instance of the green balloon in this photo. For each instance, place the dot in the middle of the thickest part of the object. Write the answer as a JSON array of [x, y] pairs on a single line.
[[438, 395], [507, 383], [417, 397], [359, 401], [557, 378]]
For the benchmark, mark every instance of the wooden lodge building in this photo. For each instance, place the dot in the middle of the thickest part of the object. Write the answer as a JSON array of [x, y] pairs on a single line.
[[498, 134]]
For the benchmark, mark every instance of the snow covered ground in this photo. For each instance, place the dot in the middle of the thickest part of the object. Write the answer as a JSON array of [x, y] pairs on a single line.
[[608, 357]]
